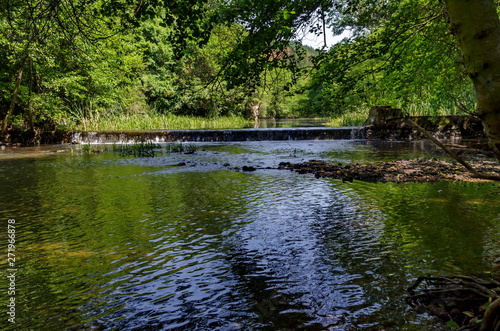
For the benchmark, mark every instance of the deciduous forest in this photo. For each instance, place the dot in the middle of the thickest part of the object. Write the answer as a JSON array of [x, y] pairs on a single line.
[[68, 64], [157, 235]]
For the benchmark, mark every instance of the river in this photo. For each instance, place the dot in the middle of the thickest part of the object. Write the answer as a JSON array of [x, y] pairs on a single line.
[[192, 242]]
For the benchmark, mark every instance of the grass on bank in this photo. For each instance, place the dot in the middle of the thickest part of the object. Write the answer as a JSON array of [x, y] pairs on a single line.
[[357, 118], [145, 122]]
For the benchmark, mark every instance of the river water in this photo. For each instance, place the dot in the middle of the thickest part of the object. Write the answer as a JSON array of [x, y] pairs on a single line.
[[191, 242]]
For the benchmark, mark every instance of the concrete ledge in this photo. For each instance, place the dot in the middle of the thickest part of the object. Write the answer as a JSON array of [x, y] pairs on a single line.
[[220, 135]]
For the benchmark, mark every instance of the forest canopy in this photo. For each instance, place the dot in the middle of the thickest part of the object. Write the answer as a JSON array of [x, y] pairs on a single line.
[[64, 63]]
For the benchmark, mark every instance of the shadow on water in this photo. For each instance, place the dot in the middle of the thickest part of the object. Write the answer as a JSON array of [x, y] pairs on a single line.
[[138, 244]]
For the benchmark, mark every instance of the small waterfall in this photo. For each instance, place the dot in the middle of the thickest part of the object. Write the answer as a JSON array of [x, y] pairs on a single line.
[[325, 133], [358, 133], [76, 137]]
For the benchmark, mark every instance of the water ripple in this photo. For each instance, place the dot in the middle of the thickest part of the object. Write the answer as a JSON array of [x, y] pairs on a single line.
[[134, 245]]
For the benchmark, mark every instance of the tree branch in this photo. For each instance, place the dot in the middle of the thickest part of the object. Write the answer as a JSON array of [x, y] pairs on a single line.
[[474, 172]]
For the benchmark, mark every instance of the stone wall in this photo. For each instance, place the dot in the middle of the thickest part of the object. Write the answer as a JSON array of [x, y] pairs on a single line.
[[22, 137], [385, 122]]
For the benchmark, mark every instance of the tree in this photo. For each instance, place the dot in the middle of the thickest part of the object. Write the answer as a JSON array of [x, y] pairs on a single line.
[[67, 59], [44, 38], [382, 31], [476, 25], [407, 60]]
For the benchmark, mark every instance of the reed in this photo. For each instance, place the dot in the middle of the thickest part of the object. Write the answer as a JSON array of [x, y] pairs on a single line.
[[151, 121], [88, 149], [180, 148], [356, 118], [139, 149]]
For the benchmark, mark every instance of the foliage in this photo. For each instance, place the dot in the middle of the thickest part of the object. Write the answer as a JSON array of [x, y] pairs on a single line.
[[88, 149], [74, 64], [121, 67], [400, 54], [198, 91], [86, 58]]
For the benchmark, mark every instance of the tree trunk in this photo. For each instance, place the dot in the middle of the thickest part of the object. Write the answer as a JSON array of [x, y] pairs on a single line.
[[15, 93], [491, 319], [30, 102], [476, 25]]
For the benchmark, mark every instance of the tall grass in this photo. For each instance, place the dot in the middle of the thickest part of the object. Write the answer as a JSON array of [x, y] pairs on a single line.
[[145, 122], [355, 118]]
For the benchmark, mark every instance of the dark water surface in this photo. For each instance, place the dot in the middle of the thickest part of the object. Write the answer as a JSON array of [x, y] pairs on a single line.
[[145, 244]]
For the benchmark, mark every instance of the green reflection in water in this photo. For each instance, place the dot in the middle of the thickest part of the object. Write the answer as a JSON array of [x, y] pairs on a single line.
[[445, 224], [79, 222], [393, 233], [88, 225]]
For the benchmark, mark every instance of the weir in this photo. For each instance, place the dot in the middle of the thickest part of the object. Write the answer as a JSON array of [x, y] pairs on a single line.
[[319, 133], [383, 123]]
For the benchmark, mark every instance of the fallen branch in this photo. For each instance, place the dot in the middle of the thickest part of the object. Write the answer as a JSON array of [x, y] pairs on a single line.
[[473, 171], [460, 299]]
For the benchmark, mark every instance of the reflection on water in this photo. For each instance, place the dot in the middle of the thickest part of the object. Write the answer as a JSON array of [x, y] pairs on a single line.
[[137, 244]]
